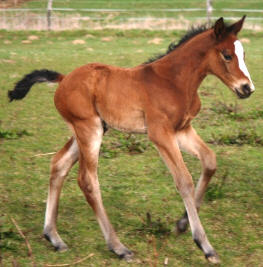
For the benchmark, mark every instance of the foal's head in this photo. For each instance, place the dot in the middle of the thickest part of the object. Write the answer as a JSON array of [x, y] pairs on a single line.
[[227, 58]]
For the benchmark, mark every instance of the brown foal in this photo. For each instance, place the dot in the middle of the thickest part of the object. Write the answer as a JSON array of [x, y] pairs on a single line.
[[158, 98]]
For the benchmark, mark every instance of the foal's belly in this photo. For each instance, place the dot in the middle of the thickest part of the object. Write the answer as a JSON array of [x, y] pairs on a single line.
[[126, 120], [133, 123], [129, 127]]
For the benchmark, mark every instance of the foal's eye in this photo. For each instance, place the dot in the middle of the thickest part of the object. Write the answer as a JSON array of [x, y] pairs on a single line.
[[226, 54], [227, 57]]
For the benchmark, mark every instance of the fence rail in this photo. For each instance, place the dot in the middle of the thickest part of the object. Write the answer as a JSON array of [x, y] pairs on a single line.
[[135, 9], [152, 18]]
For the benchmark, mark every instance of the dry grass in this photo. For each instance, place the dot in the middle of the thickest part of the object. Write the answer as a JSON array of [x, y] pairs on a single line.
[[11, 3], [26, 20]]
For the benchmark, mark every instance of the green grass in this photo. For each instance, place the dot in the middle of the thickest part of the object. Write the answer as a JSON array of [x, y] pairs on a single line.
[[134, 180], [146, 4]]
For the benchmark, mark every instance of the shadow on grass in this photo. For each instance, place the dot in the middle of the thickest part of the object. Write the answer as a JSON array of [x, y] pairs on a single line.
[[8, 237], [155, 227]]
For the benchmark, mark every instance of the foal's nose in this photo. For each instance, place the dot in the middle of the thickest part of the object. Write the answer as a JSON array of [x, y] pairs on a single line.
[[246, 89]]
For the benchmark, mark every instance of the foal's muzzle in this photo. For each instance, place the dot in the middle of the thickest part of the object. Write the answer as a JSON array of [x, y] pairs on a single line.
[[244, 91]]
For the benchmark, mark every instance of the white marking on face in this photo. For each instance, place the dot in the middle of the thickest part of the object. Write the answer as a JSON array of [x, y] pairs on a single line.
[[239, 51]]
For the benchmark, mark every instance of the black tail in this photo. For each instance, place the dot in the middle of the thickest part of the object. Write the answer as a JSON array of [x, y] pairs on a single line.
[[37, 76]]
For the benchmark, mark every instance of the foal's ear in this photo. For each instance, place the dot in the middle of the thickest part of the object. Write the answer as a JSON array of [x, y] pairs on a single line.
[[219, 28], [236, 27]]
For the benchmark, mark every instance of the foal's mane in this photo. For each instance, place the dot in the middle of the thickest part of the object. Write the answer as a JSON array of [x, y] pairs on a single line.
[[194, 30]]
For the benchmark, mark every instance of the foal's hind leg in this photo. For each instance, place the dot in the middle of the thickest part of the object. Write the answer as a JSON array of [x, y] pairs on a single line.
[[190, 142], [60, 166], [89, 135]]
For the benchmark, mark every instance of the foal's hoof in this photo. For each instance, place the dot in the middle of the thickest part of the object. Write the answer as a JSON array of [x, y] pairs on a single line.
[[213, 258], [123, 253], [181, 225], [58, 244], [127, 255], [61, 247]]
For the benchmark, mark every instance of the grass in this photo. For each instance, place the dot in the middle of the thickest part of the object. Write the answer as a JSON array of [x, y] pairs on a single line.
[[137, 189], [148, 5]]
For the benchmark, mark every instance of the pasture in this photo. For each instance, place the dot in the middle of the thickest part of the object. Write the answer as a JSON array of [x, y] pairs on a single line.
[[137, 189], [152, 7]]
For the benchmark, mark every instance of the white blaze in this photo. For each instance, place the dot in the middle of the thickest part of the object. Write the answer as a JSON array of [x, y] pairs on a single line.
[[239, 51]]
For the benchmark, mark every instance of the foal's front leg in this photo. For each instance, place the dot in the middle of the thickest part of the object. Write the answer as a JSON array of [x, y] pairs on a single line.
[[164, 139], [89, 135], [190, 142]]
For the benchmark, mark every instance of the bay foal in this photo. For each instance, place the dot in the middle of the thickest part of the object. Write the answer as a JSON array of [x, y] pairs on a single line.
[[158, 98]]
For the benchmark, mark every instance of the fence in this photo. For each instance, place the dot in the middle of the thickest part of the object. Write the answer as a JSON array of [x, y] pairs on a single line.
[[52, 18]]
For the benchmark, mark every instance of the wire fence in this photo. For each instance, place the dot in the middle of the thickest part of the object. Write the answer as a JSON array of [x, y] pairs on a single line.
[[64, 18]]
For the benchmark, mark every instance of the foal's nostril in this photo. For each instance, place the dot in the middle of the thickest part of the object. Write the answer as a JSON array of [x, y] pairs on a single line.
[[246, 89]]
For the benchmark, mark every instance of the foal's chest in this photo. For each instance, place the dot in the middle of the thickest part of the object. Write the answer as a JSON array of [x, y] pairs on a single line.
[[189, 113]]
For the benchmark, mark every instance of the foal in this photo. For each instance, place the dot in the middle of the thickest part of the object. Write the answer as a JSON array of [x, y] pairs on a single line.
[[158, 98]]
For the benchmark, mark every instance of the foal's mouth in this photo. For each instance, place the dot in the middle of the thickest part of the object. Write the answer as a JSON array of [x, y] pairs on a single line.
[[243, 95]]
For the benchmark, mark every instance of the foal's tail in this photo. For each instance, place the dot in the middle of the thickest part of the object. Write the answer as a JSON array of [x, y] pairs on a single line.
[[37, 76]]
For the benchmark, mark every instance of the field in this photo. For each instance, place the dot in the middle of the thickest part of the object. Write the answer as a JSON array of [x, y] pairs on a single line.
[[149, 5], [137, 189]]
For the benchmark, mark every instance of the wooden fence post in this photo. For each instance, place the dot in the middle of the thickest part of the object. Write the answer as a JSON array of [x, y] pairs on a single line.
[[209, 10], [49, 10]]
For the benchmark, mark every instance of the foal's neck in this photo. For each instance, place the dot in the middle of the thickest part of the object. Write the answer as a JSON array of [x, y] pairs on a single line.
[[187, 65]]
